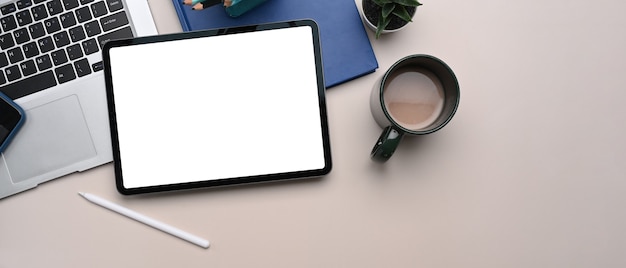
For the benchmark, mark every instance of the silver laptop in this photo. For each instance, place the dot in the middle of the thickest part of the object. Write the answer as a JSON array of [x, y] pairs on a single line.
[[51, 65]]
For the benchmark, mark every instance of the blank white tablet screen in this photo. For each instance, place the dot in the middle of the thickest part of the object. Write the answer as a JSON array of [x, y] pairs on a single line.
[[217, 107]]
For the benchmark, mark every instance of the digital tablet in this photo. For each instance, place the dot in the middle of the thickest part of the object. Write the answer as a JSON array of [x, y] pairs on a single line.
[[217, 107]]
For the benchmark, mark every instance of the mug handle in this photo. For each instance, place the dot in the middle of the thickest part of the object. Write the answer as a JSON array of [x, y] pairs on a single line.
[[386, 144]]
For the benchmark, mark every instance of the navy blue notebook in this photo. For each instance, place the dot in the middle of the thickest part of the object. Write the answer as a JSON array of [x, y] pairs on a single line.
[[346, 49]]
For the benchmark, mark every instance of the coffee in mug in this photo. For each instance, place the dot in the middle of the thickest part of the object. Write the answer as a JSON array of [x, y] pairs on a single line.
[[413, 109], [418, 95]]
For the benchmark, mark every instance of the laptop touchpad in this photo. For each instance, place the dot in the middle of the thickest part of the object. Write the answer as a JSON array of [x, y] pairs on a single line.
[[54, 136]]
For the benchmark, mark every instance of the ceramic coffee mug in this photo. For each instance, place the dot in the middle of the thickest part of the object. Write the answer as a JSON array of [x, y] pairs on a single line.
[[418, 95]]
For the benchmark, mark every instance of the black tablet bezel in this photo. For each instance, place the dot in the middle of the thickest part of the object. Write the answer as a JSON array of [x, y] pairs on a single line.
[[118, 163]]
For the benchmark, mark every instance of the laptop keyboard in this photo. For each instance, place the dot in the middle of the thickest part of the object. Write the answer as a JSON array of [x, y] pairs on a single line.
[[44, 43]]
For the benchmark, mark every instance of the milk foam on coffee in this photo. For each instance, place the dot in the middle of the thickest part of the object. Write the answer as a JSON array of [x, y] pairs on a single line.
[[413, 97]]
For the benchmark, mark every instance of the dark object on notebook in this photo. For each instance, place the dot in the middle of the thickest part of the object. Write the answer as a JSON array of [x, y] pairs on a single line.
[[257, 114], [239, 7], [234, 8]]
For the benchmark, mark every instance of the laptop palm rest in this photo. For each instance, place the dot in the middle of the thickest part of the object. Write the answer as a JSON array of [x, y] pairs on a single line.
[[62, 138]]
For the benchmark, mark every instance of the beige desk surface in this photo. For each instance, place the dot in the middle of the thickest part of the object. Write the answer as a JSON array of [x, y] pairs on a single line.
[[530, 173]]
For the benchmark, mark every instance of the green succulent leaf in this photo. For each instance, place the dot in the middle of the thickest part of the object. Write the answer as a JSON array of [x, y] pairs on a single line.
[[387, 9], [382, 24], [403, 14]]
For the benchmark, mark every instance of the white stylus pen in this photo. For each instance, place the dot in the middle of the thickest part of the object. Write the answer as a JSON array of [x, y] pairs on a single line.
[[146, 220]]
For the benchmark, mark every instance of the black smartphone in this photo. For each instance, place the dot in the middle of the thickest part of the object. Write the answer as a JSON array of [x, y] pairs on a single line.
[[11, 119]]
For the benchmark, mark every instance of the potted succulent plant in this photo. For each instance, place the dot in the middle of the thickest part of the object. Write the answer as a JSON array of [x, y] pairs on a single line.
[[388, 15]]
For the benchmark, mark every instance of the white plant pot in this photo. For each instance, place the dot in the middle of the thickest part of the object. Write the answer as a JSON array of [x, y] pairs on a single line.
[[373, 27]]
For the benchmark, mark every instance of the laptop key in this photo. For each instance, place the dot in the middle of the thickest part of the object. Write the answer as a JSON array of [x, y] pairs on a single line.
[[21, 35], [54, 7], [82, 67], [68, 19], [65, 73], [113, 21], [24, 4], [8, 9], [39, 12], [8, 23], [13, 73], [90, 46], [77, 33], [98, 66], [6, 41], [70, 4], [36, 30], [98, 9], [29, 85], [15, 55], [92, 28], [30, 50], [43, 62], [45, 44], [125, 32], [74, 51], [114, 5], [23, 17], [52, 25], [83, 14], [61, 39], [59, 57], [28, 67]]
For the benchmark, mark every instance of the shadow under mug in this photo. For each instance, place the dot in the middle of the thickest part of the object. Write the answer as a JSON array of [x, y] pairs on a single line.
[[418, 95]]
